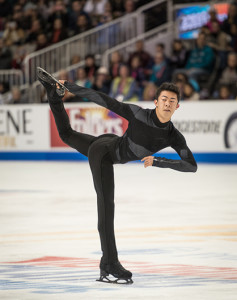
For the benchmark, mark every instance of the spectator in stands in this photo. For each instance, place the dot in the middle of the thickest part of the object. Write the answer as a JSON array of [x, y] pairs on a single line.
[[18, 56], [107, 15], [232, 18], [124, 87], [63, 75], [12, 34], [102, 82], [95, 8], [107, 38], [90, 67], [189, 92], [200, 60], [149, 93], [213, 18], [76, 10], [59, 11], [58, 33], [224, 93], [43, 9], [137, 72], [30, 14], [129, 6], [4, 88], [82, 79], [128, 25], [161, 71], [75, 59], [117, 7], [145, 58], [35, 30], [160, 47], [115, 63], [229, 74], [206, 30], [19, 17], [219, 42], [42, 41], [180, 79], [5, 56], [233, 34], [83, 24], [16, 96], [179, 55]]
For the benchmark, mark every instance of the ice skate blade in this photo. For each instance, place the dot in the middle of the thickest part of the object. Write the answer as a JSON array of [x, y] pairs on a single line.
[[105, 279], [45, 76]]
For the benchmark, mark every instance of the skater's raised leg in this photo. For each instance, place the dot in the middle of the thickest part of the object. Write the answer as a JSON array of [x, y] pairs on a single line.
[[74, 139]]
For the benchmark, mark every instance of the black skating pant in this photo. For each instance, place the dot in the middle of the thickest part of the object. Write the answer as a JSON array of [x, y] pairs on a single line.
[[98, 150]]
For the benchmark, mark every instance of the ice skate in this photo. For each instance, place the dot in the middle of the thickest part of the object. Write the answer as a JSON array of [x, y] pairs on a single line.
[[50, 83], [114, 273]]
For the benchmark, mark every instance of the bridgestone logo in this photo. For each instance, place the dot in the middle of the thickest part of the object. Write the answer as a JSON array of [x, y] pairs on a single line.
[[198, 126]]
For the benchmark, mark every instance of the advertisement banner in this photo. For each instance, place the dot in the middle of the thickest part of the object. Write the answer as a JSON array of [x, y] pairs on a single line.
[[208, 126], [89, 119], [24, 127], [191, 18]]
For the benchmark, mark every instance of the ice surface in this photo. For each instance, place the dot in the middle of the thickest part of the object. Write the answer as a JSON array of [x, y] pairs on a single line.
[[177, 232]]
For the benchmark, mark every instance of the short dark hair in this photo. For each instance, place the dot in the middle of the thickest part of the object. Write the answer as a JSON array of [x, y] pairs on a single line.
[[168, 86]]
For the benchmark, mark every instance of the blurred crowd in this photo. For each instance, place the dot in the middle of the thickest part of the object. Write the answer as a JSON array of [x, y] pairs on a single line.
[[205, 68], [27, 26]]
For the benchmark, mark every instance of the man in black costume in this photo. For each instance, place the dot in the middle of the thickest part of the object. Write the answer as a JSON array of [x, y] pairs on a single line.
[[149, 131]]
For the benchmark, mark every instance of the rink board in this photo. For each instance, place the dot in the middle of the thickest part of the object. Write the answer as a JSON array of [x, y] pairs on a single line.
[[216, 158], [28, 132]]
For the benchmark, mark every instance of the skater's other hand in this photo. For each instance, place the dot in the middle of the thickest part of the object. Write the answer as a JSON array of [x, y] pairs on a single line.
[[148, 161], [62, 81]]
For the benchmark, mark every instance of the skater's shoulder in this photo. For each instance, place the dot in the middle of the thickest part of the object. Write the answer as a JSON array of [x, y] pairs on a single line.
[[176, 135]]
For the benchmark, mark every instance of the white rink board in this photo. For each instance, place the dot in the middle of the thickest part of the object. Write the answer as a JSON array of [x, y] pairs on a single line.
[[204, 125], [24, 127], [177, 232]]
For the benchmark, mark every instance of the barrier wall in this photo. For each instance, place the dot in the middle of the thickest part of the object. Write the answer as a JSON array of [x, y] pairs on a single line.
[[28, 131]]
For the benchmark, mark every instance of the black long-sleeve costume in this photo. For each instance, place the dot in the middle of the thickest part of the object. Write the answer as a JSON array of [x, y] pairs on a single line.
[[145, 136]]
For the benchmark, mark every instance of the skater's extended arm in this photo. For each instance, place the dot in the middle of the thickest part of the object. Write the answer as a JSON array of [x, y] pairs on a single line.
[[187, 162], [126, 111]]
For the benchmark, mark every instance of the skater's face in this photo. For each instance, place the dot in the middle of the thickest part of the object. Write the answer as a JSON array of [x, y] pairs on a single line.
[[166, 105]]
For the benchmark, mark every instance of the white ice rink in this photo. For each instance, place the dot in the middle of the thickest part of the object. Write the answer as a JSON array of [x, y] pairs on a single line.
[[177, 232]]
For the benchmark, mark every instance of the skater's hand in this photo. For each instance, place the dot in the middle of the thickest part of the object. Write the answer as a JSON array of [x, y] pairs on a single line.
[[57, 85], [62, 81], [148, 161]]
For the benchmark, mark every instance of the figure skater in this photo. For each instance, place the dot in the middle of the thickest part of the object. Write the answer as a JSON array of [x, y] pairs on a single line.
[[149, 131]]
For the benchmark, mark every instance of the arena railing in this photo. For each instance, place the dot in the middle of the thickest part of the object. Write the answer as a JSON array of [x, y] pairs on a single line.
[[13, 77], [163, 34], [94, 41], [37, 92]]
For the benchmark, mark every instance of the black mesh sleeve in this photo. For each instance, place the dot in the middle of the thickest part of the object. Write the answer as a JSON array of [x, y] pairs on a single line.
[[187, 162], [124, 110]]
